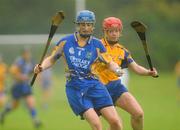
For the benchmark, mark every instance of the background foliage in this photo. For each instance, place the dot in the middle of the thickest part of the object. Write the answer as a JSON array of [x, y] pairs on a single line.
[[162, 18]]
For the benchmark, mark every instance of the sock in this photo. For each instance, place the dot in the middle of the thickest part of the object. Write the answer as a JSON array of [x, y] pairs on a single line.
[[33, 113], [7, 109]]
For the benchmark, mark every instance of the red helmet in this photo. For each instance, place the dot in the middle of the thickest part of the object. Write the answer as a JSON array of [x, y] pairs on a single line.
[[112, 22]]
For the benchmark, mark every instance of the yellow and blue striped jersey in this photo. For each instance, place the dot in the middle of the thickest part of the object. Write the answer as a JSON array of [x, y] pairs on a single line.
[[119, 54], [3, 71]]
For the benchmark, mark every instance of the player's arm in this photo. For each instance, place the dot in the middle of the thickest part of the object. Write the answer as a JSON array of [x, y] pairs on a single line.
[[106, 59], [50, 60], [47, 63], [177, 68], [138, 69], [16, 73]]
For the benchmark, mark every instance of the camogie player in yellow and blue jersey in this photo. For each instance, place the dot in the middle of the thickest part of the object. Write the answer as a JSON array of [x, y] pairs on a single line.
[[3, 72], [177, 72], [85, 93], [112, 29]]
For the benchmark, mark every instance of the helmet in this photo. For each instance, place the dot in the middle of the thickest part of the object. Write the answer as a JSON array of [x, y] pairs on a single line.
[[85, 16], [112, 22]]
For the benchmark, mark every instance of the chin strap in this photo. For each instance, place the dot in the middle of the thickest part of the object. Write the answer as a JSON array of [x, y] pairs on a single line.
[[85, 35], [112, 42]]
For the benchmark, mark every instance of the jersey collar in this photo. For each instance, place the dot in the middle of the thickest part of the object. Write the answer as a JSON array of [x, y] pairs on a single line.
[[76, 38], [107, 43]]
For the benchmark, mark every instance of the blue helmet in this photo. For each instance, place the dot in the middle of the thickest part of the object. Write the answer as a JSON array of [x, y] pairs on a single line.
[[85, 16]]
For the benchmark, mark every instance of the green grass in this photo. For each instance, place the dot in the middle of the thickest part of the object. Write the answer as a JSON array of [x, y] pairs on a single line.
[[158, 98]]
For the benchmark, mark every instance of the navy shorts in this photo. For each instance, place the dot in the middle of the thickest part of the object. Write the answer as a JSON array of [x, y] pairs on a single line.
[[21, 90], [116, 89], [96, 97]]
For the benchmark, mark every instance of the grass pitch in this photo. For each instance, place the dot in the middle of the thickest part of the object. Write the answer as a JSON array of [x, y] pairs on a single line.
[[158, 97]]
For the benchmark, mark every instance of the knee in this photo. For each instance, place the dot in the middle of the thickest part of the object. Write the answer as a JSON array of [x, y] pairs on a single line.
[[96, 126], [116, 123], [139, 115]]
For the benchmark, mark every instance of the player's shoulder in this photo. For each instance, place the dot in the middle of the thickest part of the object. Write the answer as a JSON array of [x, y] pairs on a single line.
[[66, 38], [121, 46], [103, 41], [96, 41], [19, 61]]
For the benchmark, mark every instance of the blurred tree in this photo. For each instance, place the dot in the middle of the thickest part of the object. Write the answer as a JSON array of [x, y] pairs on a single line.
[[162, 18]]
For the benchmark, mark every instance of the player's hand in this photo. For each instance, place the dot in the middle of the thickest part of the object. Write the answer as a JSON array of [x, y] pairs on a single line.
[[119, 72], [153, 73], [38, 68]]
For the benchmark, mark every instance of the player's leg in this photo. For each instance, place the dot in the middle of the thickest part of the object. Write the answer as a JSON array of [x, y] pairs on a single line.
[[92, 118], [127, 102], [178, 92], [8, 107], [111, 115], [82, 105], [2, 99], [122, 98], [103, 103], [13, 104], [30, 101], [26, 93], [46, 94]]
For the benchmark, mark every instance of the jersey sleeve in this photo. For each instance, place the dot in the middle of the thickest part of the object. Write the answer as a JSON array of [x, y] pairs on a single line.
[[101, 47], [103, 56], [58, 50], [14, 69], [127, 59]]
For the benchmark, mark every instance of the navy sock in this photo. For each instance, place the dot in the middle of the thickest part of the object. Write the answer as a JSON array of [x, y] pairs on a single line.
[[33, 113], [7, 109]]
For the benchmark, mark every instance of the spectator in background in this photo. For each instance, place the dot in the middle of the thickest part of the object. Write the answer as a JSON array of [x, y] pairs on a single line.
[[177, 71], [45, 79], [21, 70], [3, 72]]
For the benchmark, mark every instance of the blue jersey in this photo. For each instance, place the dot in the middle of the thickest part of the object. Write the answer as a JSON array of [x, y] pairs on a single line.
[[79, 59], [25, 67], [21, 88], [83, 90]]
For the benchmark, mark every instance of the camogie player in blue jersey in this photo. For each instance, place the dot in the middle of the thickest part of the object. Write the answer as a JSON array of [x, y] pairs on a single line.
[[21, 70], [85, 93]]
